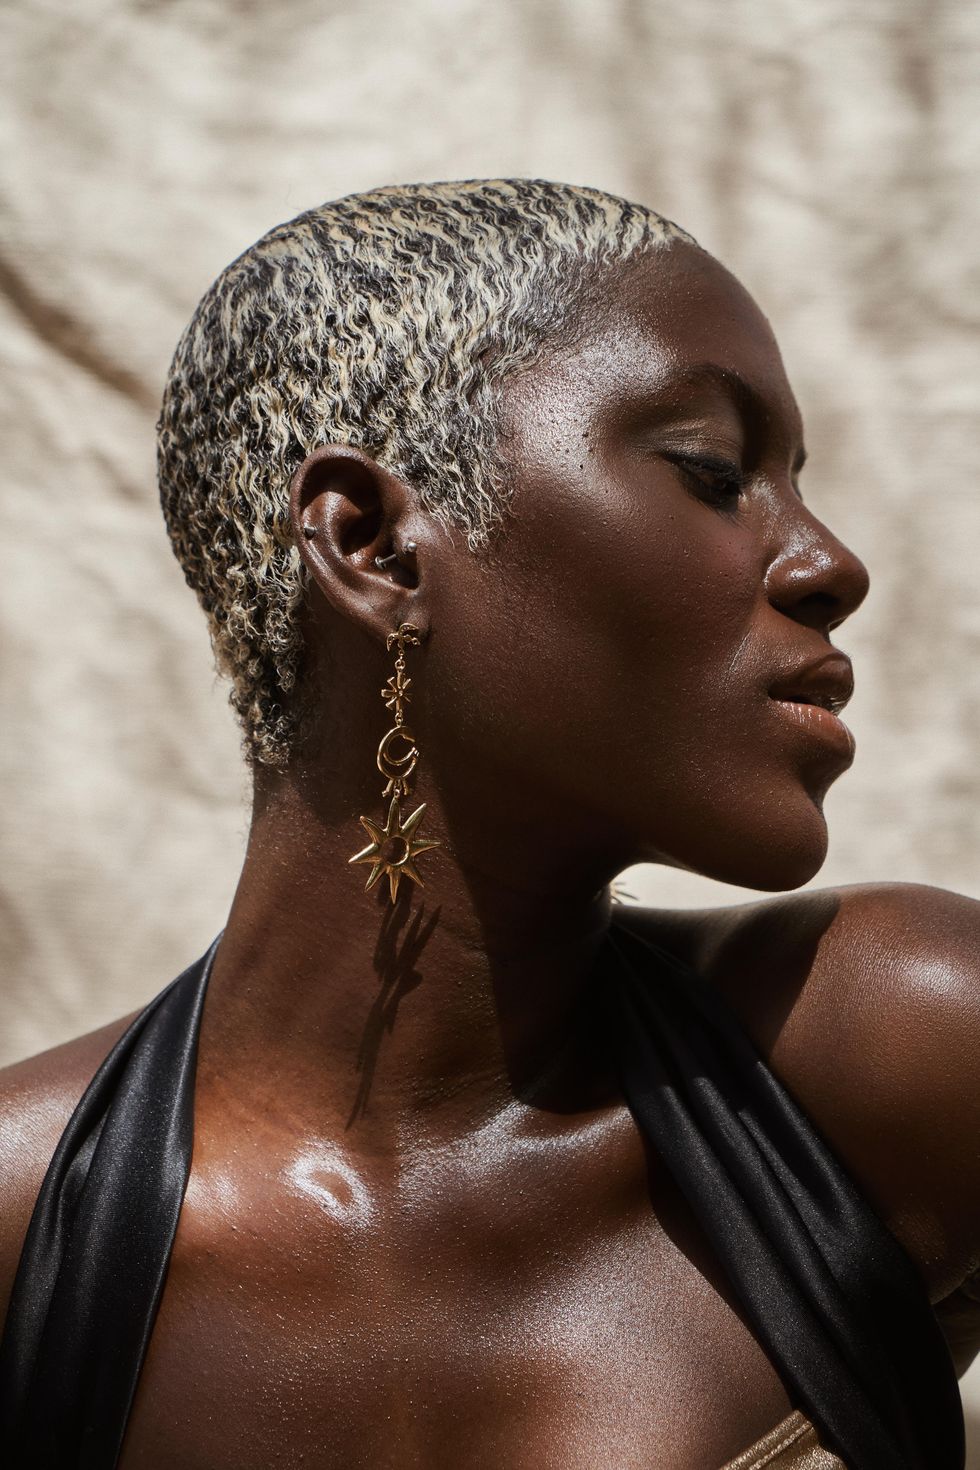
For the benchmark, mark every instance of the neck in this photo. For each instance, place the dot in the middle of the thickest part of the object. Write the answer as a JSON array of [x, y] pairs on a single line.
[[408, 1023]]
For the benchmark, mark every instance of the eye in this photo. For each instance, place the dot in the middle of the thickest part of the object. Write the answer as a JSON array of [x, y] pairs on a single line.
[[719, 479]]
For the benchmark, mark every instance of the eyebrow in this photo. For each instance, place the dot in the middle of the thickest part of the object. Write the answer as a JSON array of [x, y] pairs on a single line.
[[748, 401], [713, 375]]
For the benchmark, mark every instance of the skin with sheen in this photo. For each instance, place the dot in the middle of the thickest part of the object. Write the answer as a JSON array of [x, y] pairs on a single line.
[[421, 1228]]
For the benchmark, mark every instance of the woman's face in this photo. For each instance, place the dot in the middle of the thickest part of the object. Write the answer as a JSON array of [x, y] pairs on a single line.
[[605, 673]]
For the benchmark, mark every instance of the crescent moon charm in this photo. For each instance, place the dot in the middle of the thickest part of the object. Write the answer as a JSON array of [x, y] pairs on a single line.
[[397, 768]]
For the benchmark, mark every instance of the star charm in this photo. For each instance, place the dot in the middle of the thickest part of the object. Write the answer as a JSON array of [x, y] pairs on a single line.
[[394, 847]]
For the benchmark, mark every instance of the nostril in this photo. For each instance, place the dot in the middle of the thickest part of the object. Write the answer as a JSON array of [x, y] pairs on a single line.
[[821, 611]]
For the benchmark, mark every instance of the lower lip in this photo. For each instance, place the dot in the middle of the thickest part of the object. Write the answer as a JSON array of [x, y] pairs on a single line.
[[823, 728]]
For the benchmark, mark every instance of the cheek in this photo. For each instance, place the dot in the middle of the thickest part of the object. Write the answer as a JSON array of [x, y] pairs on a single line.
[[662, 604], [590, 652]]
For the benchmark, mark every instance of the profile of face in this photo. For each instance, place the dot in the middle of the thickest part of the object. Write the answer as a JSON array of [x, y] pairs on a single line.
[[600, 685]]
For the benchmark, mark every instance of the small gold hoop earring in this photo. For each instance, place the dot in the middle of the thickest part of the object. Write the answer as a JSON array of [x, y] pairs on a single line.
[[395, 846]]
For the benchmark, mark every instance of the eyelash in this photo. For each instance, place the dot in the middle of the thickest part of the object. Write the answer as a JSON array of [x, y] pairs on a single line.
[[695, 467]]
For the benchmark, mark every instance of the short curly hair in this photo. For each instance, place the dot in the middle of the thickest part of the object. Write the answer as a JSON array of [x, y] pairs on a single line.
[[386, 320]]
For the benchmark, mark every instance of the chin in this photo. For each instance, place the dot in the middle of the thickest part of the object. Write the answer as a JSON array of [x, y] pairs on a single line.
[[775, 871], [777, 861], [774, 851]]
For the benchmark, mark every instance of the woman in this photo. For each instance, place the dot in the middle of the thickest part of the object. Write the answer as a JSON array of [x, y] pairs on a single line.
[[487, 1168]]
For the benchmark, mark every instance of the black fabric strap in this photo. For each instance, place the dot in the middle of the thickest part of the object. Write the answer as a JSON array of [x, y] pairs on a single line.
[[827, 1289], [95, 1257]]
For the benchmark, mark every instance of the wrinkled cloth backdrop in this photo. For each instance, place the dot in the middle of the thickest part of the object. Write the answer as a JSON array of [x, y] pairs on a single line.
[[828, 153]]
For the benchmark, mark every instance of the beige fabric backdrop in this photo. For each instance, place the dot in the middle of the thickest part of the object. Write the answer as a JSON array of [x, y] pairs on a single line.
[[827, 150]]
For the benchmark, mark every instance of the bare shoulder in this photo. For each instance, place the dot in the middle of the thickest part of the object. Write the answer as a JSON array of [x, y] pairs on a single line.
[[37, 1097], [866, 1001]]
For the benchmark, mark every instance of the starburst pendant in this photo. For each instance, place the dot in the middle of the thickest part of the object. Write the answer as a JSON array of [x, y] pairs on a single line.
[[394, 847]]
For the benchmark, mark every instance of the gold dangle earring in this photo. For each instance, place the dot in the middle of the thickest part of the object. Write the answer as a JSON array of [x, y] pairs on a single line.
[[395, 846]]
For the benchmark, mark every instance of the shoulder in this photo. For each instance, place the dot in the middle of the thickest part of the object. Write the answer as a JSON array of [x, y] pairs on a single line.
[[37, 1097], [865, 1000]]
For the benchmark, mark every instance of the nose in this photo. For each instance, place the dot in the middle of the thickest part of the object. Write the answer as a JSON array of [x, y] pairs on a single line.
[[814, 578]]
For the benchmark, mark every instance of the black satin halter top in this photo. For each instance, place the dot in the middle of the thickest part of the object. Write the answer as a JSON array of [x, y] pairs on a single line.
[[827, 1290]]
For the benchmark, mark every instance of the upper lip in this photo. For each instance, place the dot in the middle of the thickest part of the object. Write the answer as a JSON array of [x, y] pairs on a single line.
[[827, 681]]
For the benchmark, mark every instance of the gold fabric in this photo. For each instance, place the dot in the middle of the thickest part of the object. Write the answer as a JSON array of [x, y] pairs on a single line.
[[792, 1445]]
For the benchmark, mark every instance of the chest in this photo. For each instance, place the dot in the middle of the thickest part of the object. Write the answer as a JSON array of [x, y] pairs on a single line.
[[293, 1333]]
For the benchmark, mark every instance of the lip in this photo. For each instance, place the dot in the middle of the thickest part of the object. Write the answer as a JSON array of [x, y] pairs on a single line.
[[827, 681], [811, 695], [820, 726]]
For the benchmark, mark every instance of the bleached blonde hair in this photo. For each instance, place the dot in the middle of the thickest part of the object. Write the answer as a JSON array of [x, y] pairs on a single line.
[[386, 320]]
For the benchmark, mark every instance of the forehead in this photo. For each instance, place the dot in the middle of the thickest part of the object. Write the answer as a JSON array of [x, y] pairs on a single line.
[[674, 329]]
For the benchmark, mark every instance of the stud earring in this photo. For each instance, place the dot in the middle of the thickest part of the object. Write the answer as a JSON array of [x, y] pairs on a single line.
[[385, 561], [395, 846]]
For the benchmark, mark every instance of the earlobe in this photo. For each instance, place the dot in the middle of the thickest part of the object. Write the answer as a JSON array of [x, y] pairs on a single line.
[[351, 521]]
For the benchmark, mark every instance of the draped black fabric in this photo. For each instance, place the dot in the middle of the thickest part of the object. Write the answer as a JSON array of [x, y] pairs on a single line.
[[828, 1290], [95, 1256]]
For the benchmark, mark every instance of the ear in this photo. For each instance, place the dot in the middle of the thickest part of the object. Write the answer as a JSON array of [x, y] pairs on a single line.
[[346, 511]]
